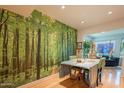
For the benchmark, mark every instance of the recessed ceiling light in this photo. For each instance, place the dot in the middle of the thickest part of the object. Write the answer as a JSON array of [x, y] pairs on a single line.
[[82, 22], [63, 7], [102, 32], [110, 12]]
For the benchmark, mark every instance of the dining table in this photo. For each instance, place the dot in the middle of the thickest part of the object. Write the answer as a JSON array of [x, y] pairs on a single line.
[[86, 64]]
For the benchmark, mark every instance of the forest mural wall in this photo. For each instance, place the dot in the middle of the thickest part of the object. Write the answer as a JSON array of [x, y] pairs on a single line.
[[33, 47]]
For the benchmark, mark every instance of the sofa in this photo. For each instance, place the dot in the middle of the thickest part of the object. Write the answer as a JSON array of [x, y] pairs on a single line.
[[111, 62]]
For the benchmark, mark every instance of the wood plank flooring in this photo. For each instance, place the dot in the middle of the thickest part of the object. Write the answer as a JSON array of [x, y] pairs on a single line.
[[111, 79]]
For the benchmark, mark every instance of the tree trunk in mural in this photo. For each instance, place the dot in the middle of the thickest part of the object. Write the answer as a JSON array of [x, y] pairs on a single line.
[[5, 57], [27, 49], [62, 47], [71, 47], [38, 54], [32, 50], [1, 20], [17, 51], [47, 50], [16, 66], [67, 46], [14, 57], [51, 59], [5, 63], [44, 51]]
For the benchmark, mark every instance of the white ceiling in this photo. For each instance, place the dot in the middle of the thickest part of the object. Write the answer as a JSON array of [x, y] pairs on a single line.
[[73, 14]]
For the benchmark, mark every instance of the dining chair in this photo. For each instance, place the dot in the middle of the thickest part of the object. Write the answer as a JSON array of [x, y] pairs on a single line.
[[86, 71], [77, 72], [100, 68]]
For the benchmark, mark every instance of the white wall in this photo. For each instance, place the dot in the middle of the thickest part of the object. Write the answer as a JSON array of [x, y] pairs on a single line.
[[100, 28]]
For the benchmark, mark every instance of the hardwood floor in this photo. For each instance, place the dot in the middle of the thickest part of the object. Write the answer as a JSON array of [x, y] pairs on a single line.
[[111, 79]]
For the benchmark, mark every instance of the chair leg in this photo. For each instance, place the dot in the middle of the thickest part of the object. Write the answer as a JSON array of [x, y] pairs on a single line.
[[97, 81], [72, 74], [79, 76], [100, 77], [75, 72]]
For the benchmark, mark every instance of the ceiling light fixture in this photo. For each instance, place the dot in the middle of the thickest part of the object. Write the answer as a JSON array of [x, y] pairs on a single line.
[[63, 7], [110, 12], [82, 22], [102, 32]]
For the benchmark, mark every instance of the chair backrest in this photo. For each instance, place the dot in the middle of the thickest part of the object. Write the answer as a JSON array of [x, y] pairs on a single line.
[[101, 64], [92, 60], [72, 57]]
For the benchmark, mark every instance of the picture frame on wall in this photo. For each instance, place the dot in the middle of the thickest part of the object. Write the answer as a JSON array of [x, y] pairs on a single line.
[[122, 44], [122, 47], [79, 45]]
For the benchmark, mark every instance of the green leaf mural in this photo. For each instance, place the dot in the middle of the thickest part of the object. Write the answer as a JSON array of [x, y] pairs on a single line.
[[32, 48]]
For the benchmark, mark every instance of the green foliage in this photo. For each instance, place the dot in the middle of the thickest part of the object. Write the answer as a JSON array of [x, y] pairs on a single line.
[[58, 42], [86, 47]]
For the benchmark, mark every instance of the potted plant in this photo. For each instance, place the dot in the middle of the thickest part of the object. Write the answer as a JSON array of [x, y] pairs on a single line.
[[86, 47]]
